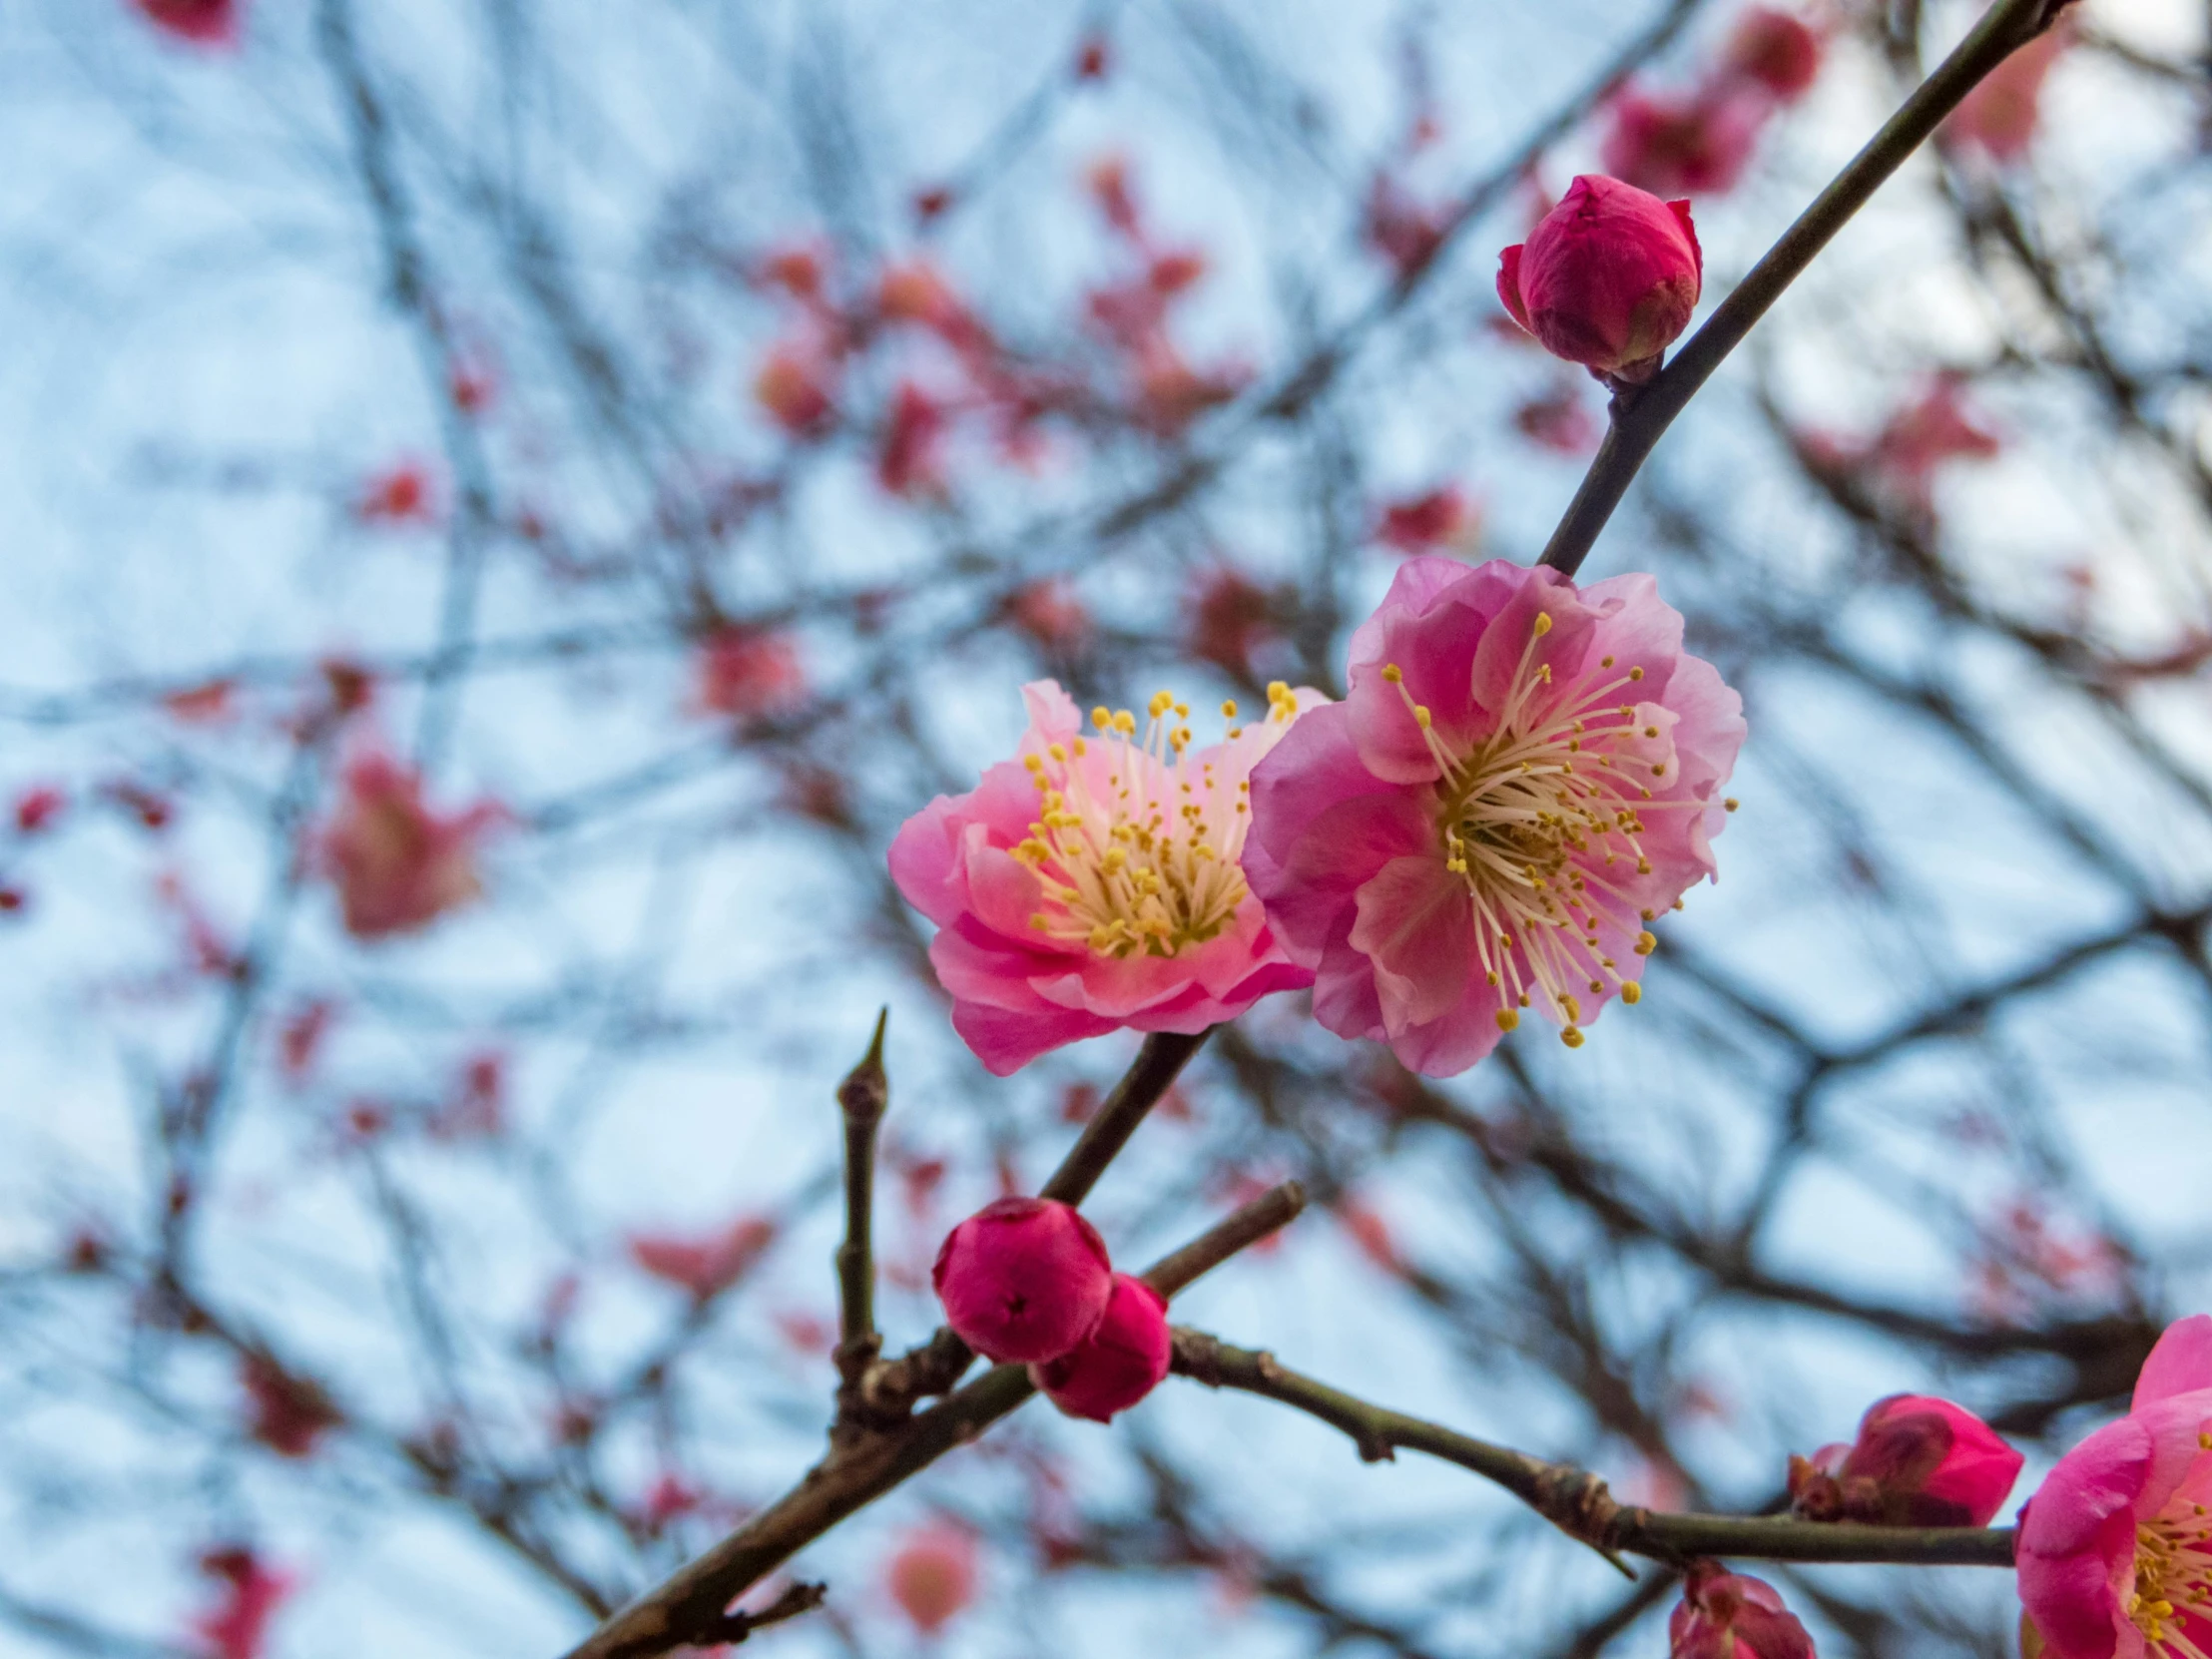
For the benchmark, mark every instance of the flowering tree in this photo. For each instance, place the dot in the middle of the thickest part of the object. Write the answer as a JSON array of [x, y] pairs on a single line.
[[651, 539]]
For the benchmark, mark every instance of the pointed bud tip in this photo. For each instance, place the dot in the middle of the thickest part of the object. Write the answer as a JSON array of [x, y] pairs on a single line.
[[865, 1090]]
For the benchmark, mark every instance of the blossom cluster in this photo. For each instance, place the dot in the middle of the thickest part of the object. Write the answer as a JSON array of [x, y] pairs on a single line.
[[1027, 1280], [1524, 777]]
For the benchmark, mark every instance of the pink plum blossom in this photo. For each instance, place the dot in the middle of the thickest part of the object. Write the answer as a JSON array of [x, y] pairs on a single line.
[[2116, 1547], [1524, 775], [1723, 1615], [1095, 885], [1918, 1461]]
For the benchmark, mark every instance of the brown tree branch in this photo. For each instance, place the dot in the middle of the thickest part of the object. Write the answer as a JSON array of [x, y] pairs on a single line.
[[1573, 1500]]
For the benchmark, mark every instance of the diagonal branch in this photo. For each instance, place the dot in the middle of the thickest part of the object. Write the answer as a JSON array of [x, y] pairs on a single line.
[[1575, 1500], [1641, 417]]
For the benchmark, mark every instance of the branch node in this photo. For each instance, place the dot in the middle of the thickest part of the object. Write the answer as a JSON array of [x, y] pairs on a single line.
[[736, 1627]]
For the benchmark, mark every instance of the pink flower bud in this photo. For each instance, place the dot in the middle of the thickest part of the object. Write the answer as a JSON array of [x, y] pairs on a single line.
[[1023, 1280], [1725, 1616], [1607, 279], [1118, 1363], [1918, 1461], [1774, 51]]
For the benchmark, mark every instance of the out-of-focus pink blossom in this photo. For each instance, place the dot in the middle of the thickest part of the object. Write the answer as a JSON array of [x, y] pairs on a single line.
[[746, 672], [1560, 420], [237, 1626], [1999, 116], [401, 494], [801, 270], [705, 1265], [300, 1039], [203, 22], [1172, 393], [37, 809], [1694, 144], [1723, 1615], [1936, 428], [477, 1109], [206, 704], [1775, 50], [932, 1576], [908, 460], [914, 291], [1232, 617], [1108, 179], [1424, 523], [1918, 1461], [1119, 1363], [1524, 775], [1050, 612], [2113, 1546], [1607, 279], [1095, 885], [398, 866], [1399, 228], [796, 386], [291, 1415], [1368, 1230], [1023, 1280]]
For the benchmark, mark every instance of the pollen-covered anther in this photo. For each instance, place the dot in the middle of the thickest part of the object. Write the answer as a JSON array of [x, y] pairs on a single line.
[[1532, 834], [1113, 877]]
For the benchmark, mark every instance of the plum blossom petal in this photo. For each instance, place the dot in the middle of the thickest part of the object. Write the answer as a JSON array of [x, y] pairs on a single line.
[[2116, 1548], [1096, 883], [1524, 775]]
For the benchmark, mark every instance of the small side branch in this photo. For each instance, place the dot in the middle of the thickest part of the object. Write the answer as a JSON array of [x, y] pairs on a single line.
[[1575, 1500], [1140, 1089], [735, 1627], [1642, 415], [863, 1097], [689, 1607]]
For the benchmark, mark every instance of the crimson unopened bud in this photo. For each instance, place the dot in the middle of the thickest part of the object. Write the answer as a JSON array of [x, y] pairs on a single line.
[[1607, 279], [1118, 1363], [1023, 1280], [1918, 1461], [1723, 1615]]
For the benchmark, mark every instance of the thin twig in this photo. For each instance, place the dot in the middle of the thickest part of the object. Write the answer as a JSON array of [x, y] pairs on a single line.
[[1642, 415], [1574, 1499], [1140, 1089], [863, 1097]]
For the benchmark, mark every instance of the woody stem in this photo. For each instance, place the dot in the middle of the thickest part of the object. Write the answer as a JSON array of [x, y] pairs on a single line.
[[1574, 1499]]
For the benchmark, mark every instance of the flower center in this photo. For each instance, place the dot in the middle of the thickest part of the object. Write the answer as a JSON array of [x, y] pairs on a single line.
[[2173, 1578], [1543, 822], [1136, 845]]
